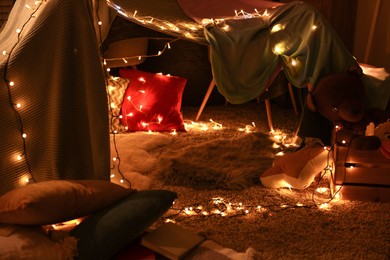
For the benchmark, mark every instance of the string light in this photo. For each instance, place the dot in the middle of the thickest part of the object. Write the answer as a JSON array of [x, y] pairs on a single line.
[[16, 106]]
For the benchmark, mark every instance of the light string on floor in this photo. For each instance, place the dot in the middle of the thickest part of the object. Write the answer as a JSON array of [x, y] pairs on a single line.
[[16, 106], [221, 207]]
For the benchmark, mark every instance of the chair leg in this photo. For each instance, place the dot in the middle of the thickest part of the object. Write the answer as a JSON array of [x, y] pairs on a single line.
[[206, 98], [269, 115], [292, 96]]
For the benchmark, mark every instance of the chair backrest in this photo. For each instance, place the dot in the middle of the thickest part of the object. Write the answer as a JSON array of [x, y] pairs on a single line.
[[129, 52]]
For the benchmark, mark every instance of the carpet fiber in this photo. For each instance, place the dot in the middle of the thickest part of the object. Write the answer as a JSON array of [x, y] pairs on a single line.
[[215, 174], [234, 163]]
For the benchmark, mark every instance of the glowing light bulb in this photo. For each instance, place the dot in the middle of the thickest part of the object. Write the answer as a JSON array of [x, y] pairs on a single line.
[[112, 176], [114, 159], [18, 31], [100, 23], [314, 27], [277, 27], [279, 48], [279, 154], [24, 135], [322, 190], [4, 53], [294, 62], [11, 83], [142, 79]]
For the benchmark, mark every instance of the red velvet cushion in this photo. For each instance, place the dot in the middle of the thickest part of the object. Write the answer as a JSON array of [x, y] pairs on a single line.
[[152, 101]]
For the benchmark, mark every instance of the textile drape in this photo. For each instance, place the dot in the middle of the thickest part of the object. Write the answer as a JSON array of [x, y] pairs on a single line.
[[59, 82]]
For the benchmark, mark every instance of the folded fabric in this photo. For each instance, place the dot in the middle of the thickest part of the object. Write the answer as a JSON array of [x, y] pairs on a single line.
[[297, 169]]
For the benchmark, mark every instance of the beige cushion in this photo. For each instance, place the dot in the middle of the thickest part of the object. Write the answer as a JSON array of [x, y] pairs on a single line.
[[56, 201]]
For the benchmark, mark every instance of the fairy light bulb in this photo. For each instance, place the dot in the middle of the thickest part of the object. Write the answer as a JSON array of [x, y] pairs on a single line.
[[142, 79], [24, 135], [114, 159], [100, 23], [279, 48], [11, 83], [277, 27], [18, 105], [18, 31], [4, 53], [294, 62]]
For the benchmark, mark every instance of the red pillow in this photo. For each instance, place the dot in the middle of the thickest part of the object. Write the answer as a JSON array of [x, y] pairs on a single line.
[[152, 101]]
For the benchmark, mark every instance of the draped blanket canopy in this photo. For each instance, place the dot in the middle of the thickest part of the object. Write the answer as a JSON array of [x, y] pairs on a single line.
[[250, 38]]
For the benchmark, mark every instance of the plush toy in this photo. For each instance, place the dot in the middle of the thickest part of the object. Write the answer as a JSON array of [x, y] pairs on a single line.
[[382, 131], [297, 169], [340, 98]]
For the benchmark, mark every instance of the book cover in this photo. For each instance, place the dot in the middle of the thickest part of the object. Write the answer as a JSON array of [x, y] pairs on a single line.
[[171, 240]]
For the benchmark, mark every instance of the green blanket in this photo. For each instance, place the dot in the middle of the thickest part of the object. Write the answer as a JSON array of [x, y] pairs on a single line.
[[245, 52]]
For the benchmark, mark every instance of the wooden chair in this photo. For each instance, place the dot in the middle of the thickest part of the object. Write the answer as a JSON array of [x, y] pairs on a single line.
[[266, 101]]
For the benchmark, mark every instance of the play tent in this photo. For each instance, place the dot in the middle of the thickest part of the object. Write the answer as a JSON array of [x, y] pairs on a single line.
[[53, 101]]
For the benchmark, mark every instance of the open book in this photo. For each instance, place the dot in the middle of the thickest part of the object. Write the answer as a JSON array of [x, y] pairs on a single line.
[[171, 240]]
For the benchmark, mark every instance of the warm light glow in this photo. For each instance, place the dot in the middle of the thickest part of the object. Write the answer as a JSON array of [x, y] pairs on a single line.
[[279, 48], [322, 190], [294, 62], [325, 206], [277, 27]]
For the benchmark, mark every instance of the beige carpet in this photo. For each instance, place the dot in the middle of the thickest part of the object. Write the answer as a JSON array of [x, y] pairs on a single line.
[[289, 224]]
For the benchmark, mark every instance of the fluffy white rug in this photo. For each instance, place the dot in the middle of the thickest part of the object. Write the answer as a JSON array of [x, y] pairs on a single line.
[[223, 163], [131, 158]]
